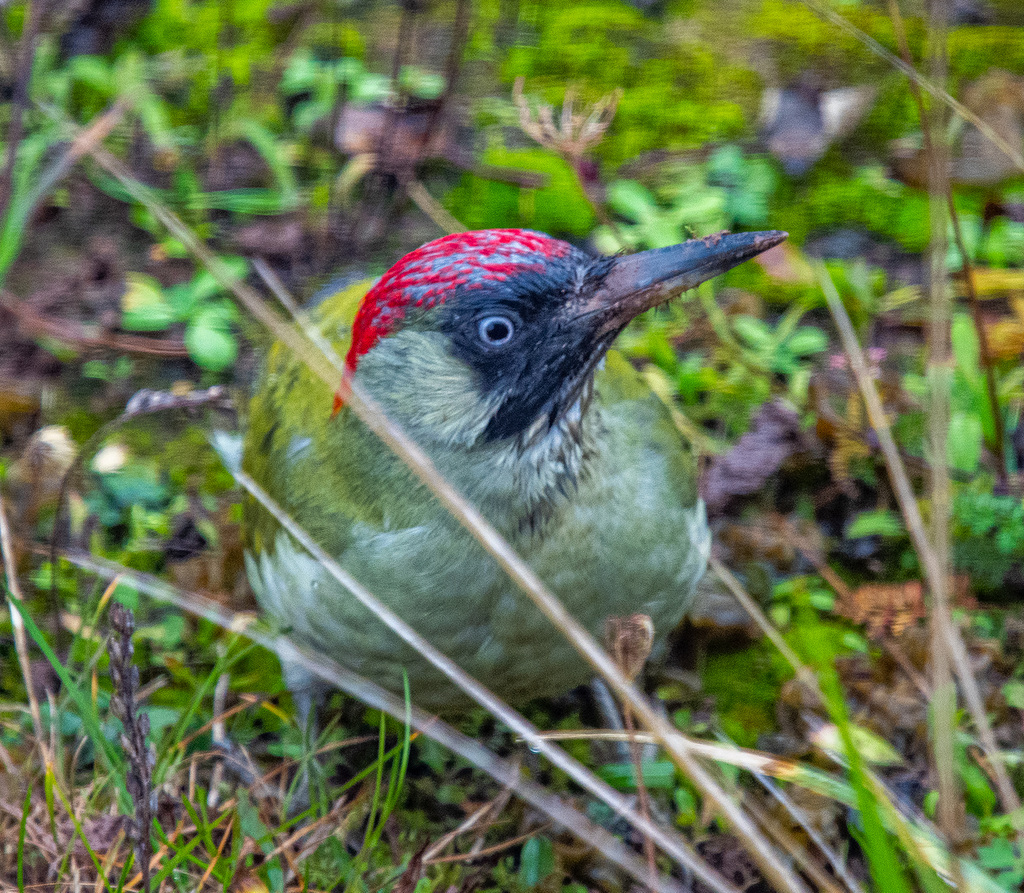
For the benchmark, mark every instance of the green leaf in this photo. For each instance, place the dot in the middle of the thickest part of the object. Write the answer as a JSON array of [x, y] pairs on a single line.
[[981, 799], [632, 200], [661, 233], [205, 285], [420, 83], [965, 441], [210, 341], [658, 775], [965, 347], [536, 862], [301, 72], [348, 70], [872, 748], [754, 332], [371, 87], [1013, 691], [879, 522], [807, 340], [144, 306], [822, 599], [686, 806], [726, 165], [94, 71], [704, 210]]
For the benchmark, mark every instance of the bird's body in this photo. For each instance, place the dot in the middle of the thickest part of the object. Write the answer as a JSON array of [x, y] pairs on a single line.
[[493, 368]]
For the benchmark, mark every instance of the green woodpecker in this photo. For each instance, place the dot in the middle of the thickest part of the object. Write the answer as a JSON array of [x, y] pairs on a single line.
[[491, 349]]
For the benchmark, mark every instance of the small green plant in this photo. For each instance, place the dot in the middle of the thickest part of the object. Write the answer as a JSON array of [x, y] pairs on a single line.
[[1004, 858], [729, 190], [972, 425], [988, 534], [317, 85], [208, 315], [783, 349]]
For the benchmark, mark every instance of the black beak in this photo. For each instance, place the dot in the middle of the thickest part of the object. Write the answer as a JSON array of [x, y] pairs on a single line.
[[637, 282]]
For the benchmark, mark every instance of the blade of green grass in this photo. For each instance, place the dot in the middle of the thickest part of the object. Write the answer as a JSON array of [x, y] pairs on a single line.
[[886, 869]]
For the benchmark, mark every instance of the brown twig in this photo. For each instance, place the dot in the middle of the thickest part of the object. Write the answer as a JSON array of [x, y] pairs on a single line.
[[33, 324], [430, 206], [452, 70], [794, 847], [433, 852], [629, 641], [491, 850], [377, 191]]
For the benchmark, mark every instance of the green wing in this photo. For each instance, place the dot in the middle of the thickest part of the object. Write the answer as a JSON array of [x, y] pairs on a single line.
[[319, 466]]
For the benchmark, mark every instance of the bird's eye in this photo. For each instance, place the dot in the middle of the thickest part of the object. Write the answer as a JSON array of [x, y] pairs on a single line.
[[495, 330]]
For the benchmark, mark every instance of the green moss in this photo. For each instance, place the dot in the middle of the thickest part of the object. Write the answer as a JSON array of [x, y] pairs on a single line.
[[677, 92], [560, 207], [746, 685], [974, 50], [807, 41], [865, 198]]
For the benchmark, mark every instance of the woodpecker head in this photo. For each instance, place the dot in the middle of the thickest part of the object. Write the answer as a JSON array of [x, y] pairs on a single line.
[[485, 336]]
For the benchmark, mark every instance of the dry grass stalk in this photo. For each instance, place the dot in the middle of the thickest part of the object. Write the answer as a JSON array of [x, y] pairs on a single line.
[[932, 567], [940, 368], [17, 605], [428, 724], [629, 640], [123, 704]]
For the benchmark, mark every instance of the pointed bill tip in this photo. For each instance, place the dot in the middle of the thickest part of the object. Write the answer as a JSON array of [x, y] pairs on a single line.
[[637, 282]]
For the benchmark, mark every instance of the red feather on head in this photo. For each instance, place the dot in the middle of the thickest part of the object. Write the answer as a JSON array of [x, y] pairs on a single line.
[[429, 275]]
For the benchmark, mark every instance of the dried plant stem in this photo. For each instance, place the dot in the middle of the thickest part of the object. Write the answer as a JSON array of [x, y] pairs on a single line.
[[575, 133], [452, 70], [966, 268], [20, 639], [940, 367], [125, 706], [792, 846], [932, 568], [492, 808], [468, 748], [629, 641], [432, 207], [370, 413]]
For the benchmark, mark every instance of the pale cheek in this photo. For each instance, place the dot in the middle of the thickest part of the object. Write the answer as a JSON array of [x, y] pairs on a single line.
[[427, 390]]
